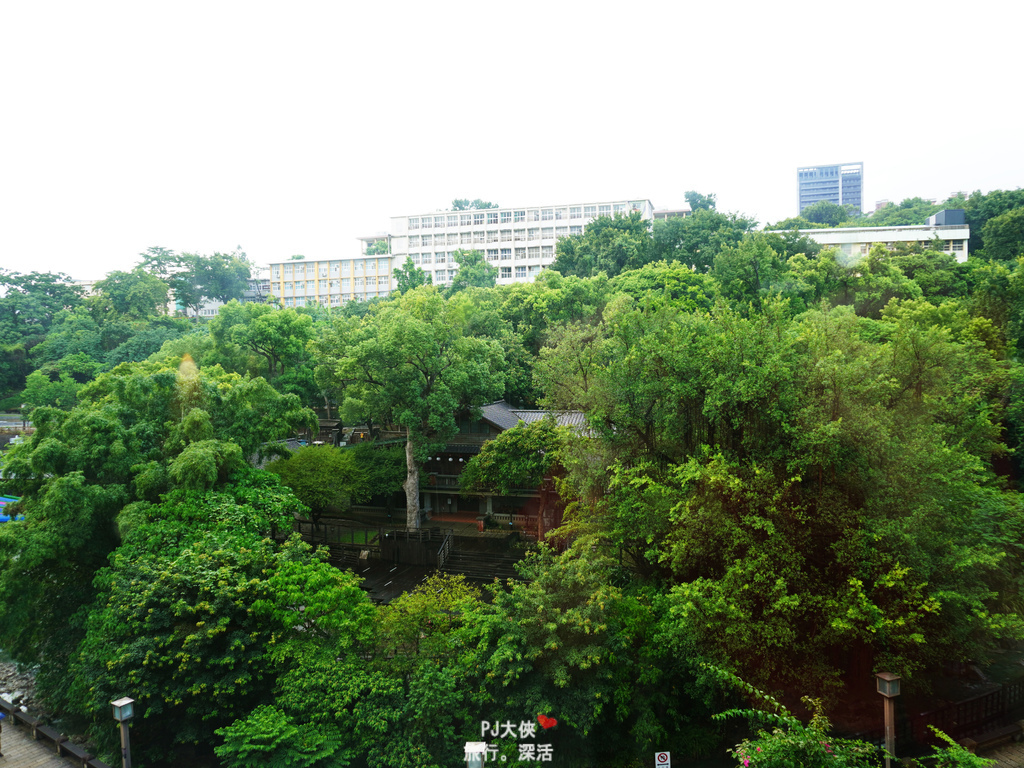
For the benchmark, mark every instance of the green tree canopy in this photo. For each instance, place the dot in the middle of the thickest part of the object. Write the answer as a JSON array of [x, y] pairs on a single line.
[[409, 363]]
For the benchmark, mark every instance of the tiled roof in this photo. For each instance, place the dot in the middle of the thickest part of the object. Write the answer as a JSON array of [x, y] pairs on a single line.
[[500, 415], [503, 416], [562, 418]]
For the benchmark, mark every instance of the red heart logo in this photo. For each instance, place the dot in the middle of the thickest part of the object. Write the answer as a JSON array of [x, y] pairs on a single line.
[[546, 722]]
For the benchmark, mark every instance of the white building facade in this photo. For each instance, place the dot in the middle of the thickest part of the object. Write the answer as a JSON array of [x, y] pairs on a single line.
[[855, 242], [519, 241]]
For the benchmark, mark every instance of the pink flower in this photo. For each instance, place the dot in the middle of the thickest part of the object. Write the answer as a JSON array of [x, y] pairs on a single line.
[[746, 763], [758, 749]]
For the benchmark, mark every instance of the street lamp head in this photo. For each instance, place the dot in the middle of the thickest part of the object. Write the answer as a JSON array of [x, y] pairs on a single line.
[[888, 684], [123, 709]]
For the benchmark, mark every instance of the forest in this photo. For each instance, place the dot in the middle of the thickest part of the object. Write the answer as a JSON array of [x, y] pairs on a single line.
[[796, 471]]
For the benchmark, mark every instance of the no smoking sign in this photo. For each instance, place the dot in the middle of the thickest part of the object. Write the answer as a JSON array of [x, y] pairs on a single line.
[[662, 760]]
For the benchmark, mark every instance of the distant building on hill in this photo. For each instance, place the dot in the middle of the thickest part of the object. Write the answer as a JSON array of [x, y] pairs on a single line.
[[518, 240], [841, 184], [946, 231]]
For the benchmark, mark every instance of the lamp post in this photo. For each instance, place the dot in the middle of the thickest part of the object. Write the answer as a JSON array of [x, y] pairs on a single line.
[[23, 407], [123, 713], [889, 687]]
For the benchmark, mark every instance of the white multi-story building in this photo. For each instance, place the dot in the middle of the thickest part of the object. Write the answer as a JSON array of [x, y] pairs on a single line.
[[855, 242], [519, 241]]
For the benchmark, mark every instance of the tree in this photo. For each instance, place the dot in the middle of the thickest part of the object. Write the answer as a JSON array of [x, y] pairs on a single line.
[[824, 212], [30, 303], [520, 457], [474, 271], [136, 295], [699, 202], [696, 240], [323, 478], [408, 363], [609, 245], [464, 204], [279, 336], [1003, 235], [378, 247], [410, 276]]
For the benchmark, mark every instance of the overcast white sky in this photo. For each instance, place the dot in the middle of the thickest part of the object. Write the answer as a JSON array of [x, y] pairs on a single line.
[[295, 128]]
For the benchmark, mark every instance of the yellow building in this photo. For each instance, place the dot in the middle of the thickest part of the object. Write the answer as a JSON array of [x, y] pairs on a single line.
[[332, 282]]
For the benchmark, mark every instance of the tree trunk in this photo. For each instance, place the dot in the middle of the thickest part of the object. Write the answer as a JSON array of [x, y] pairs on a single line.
[[412, 487]]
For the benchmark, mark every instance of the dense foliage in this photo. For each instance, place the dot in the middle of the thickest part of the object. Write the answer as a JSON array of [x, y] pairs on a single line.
[[791, 468]]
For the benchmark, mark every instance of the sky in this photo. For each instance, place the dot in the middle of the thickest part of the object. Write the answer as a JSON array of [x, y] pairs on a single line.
[[297, 128]]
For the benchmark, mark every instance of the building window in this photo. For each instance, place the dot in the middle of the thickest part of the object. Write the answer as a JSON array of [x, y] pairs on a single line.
[[534, 270], [466, 238], [492, 217], [426, 222], [478, 219], [492, 236], [414, 223], [561, 213], [506, 253], [547, 252], [346, 284], [453, 238], [534, 233], [589, 211], [958, 245], [382, 280], [414, 241], [547, 214], [521, 272], [275, 271], [620, 208], [415, 258], [534, 252], [576, 213], [383, 266], [453, 220], [506, 217], [520, 235], [465, 219], [506, 272], [346, 266], [289, 302], [519, 216], [506, 235], [438, 222], [426, 259], [576, 229], [478, 237], [439, 258], [561, 231], [604, 210], [427, 240], [359, 282], [520, 254], [492, 254], [334, 268], [311, 286], [548, 233]]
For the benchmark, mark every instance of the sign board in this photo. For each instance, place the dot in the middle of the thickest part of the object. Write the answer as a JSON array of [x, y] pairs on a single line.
[[662, 760]]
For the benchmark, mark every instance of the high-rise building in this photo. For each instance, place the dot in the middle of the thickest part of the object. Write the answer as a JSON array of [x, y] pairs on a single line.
[[840, 184]]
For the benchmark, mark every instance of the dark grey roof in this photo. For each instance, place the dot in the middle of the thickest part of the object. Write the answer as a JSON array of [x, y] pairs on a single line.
[[500, 415], [503, 416], [562, 418]]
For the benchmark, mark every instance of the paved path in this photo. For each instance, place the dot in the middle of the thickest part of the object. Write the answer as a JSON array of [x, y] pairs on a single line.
[[1007, 756], [20, 751]]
